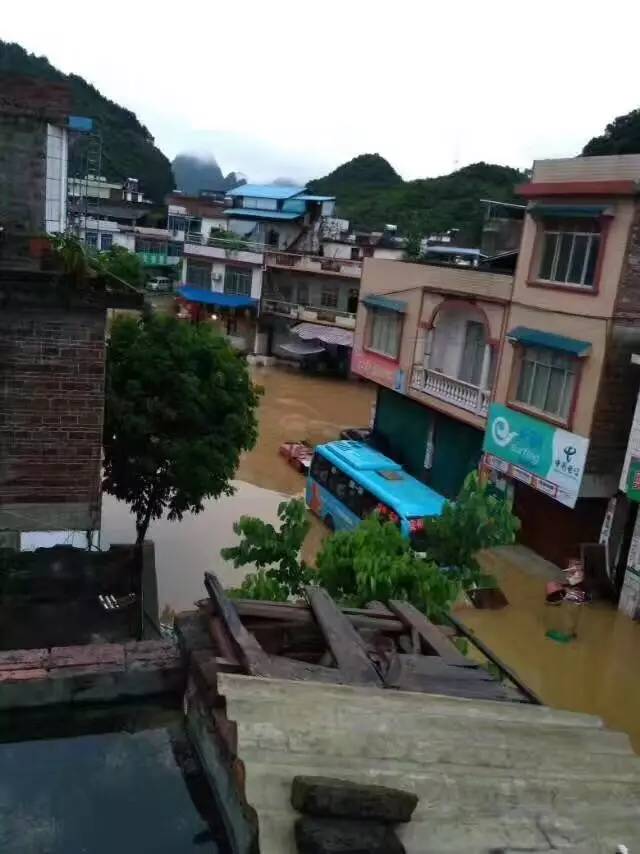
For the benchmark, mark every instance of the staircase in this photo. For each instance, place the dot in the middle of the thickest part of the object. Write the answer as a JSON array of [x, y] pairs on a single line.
[[490, 776]]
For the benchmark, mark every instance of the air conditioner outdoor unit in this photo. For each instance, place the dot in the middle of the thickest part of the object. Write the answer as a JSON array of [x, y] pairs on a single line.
[[216, 277]]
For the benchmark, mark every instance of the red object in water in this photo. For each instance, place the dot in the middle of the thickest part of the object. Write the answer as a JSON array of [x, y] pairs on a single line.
[[297, 454]]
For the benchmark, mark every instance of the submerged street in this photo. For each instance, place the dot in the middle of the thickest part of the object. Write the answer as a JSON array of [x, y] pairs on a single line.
[[594, 673]]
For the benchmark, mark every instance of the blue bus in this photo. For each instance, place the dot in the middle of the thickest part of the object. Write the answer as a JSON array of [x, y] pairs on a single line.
[[350, 480]]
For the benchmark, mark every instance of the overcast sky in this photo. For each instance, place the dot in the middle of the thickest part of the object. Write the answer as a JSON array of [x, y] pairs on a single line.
[[293, 88]]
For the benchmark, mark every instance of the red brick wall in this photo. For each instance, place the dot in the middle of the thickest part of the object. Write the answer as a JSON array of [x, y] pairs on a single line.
[[51, 406]]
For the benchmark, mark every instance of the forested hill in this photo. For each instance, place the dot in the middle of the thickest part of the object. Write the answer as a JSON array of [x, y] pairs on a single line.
[[371, 194], [127, 146]]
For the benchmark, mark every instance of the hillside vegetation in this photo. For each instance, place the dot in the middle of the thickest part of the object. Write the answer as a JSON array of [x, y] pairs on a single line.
[[128, 149], [371, 194]]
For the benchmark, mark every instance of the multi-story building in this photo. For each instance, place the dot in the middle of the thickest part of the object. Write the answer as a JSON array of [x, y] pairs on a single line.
[[539, 360], [105, 213]]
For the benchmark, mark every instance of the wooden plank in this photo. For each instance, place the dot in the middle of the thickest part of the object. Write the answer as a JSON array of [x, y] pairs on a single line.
[[360, 617], [430, 634], [251, 653], [343, 640], [471, 636]]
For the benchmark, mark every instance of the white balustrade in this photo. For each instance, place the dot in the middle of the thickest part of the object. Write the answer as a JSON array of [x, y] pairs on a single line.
[[452, 390]]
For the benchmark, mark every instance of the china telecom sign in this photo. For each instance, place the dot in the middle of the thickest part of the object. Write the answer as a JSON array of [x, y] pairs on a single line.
[[546, 458]]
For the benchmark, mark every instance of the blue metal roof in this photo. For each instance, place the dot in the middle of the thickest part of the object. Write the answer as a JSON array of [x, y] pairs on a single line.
[[213, 298], [255, 213], [266, 191], [407, 496], [384, 302], [538, 338]]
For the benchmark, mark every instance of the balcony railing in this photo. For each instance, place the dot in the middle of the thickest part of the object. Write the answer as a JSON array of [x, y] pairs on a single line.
[[311, 313], [452, 390], [315, 264]]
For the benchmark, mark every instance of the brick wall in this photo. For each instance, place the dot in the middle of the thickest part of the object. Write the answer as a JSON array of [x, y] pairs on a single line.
[[619, 383], [51, 406], [23, 165], [33, 96]]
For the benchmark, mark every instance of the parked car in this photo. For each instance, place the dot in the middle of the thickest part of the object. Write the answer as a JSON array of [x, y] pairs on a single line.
[[159, 284]]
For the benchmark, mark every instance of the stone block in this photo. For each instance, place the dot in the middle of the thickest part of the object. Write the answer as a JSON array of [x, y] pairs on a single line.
[[329, 797], [7, 676], [111, 654], [151, 654], [343, 836], [23, 659]]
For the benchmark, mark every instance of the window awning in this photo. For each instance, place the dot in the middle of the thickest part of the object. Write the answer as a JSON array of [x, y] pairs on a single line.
[[303, 348], [538, 338], [385, 302], [219, 299], [327, 334], [570, 211]]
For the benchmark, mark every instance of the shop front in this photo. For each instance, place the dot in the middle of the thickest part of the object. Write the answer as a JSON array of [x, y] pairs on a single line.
[[541, 467]]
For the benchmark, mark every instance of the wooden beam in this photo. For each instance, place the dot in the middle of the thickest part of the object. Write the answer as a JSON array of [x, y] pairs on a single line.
[[251, 653], [343, 640], [430, 634], [287, 611]]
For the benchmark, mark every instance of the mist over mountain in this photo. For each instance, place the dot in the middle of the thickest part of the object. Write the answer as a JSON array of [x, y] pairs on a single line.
[[193, 173]]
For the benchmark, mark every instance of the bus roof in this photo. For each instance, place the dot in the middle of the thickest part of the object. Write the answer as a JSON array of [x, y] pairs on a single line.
[[406, 495]]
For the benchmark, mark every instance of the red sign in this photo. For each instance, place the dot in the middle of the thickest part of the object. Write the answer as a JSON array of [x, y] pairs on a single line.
[[378, 369]]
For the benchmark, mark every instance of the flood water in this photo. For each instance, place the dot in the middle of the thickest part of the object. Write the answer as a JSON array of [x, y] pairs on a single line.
[[294, 406], [122, 779]]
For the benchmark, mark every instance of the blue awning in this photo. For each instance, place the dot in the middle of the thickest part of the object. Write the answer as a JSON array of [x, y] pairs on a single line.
[[214, 298], [255, 213], [569, 211], [538, 338], [385, 302]]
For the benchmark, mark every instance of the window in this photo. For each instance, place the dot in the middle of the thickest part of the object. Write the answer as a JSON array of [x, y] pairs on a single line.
[[106, 241], [570, 252], [320, 468], [546, 381], [199, 275], [176, 223], [355, 253], [91, 239], [237, 280], [358, 499], [329, 296], [473, 353], [384, 332], [303, 293], [174, 250]]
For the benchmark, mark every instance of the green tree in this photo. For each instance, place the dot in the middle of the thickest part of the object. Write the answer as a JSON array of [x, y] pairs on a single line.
[[412, 247], [375, 561], [476, 520], [121, 263], [621, 136], [180, 408], [275, 553]]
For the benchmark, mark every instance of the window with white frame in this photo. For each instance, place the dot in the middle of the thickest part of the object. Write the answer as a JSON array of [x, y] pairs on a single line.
[[570, 252], [384, 332], [91, 239], [199, 275], [329, 296], [106, 241], [237, 281], [546, 381]]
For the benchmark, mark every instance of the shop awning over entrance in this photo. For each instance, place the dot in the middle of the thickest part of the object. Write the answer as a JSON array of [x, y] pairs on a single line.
[[327, 334], [218, 299], [538, 338]]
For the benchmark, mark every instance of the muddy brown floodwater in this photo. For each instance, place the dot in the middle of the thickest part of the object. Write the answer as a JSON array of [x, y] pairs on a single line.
[[294, 406]]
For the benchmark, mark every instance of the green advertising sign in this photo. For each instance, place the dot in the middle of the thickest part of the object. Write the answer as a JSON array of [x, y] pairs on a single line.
[[547, 458], [633, 479]]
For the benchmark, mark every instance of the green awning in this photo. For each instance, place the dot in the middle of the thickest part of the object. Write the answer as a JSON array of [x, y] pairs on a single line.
[[384, 302], [569, 211], [537, 338]]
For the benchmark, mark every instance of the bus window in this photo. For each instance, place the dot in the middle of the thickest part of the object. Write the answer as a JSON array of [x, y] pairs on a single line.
[[320, 469], [359, 500], [338, 484]]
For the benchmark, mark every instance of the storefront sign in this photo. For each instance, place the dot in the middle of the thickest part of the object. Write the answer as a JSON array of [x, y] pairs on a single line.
[[629, 480], [378, 369], [546, 458]]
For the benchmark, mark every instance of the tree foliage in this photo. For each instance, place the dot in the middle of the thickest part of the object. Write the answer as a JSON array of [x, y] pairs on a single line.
[[180, 408], [275, 553], [621, 136], [371, 194], [121, 263], [476, 520], [128, 148], [374, 561]]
